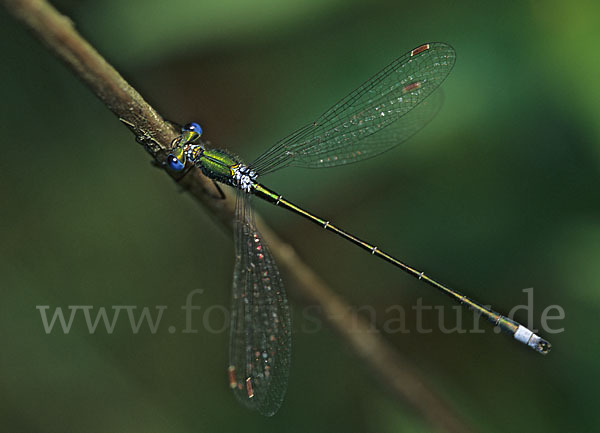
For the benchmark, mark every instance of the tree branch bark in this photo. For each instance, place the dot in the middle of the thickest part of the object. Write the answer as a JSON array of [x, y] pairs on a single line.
[[57, 32]]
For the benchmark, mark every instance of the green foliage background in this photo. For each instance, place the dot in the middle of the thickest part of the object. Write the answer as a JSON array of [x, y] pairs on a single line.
[[498, 194]]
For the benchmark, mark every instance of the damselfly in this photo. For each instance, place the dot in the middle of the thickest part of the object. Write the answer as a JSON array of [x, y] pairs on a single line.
[[383, 112]]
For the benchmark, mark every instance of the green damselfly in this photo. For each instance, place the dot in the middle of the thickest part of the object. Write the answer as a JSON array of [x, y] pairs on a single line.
[[383, 112]]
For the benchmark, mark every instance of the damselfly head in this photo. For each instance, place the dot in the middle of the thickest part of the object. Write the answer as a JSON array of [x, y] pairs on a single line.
[[185, 139], [176, 159], [193, 126], [190, 136]]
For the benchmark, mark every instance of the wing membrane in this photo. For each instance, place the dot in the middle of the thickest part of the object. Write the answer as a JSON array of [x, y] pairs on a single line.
[[260, 340], [367, 122]]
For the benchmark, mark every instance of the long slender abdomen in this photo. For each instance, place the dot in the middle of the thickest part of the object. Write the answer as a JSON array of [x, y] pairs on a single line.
[[519, 332]]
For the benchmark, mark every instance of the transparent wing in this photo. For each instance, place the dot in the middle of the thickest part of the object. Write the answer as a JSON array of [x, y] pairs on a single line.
[[260, 340], [368, 121], [375, 144]]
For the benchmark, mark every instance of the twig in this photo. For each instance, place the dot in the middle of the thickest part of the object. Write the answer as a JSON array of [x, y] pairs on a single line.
[[59, 35]]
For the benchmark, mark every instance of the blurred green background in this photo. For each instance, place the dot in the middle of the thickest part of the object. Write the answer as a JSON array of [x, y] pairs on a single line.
[[498, 194]]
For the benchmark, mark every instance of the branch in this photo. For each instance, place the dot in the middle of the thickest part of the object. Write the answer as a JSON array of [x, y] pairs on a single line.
[[57, 32]]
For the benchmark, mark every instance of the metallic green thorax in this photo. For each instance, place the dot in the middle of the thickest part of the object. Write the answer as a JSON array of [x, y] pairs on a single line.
[[216, 164]]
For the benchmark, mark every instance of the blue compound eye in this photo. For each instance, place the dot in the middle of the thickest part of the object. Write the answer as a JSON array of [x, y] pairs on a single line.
[[174, 163], [193, 126]]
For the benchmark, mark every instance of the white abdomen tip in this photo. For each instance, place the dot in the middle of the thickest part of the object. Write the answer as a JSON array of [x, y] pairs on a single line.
[[534, 341]]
